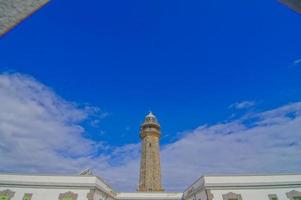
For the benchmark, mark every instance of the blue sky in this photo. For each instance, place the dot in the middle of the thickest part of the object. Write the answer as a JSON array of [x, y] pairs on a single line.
[[190, 62]]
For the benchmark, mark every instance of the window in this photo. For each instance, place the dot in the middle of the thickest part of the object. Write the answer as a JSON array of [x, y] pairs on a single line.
[[68, 196], [27, 196], [232, 196], [273, 197], [294, 195], [6, 194]]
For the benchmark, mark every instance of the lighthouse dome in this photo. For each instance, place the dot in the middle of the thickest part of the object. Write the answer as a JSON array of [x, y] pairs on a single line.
[[150, 118]]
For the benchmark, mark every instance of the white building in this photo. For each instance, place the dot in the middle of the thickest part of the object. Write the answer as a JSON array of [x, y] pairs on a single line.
[[246, 187], [47, 187], [88, 187]]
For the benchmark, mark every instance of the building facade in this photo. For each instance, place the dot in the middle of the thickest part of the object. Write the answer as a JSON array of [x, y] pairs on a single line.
[[246, 187], [89, 187], [51, 187], [150, 170], [293, 4], [12, 12]]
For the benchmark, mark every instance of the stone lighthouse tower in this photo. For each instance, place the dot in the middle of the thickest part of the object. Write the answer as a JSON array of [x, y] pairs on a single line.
[[150, 170]]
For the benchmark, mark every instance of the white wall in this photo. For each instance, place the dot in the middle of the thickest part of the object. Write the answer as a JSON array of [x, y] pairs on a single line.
[[251, 187], [200, 195], [45, 194], [255, 194], [49, 187], [247, 194]]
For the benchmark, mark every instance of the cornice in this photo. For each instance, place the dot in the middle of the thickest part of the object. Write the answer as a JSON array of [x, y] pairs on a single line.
[[53, 185], [237, 186]]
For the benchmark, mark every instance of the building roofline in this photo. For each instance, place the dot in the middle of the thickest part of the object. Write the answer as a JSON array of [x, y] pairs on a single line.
[[57, 175], [253, 174], [44, 174], [237, 174], [153, 192]]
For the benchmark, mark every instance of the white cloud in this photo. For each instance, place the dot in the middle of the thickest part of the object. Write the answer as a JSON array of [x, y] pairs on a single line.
[[297, 62], [40, 132], [37, 127], [242, 105], [253, 144]]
